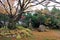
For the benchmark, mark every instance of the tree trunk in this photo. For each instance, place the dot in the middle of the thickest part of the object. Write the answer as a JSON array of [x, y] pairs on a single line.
[[11, 23], [13, 19]]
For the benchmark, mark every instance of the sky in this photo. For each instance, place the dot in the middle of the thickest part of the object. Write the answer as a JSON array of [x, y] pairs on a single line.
[[50, 4]]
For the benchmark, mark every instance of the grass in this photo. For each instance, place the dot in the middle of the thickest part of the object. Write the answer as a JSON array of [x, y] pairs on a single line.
[[49, 38], [20, 32]]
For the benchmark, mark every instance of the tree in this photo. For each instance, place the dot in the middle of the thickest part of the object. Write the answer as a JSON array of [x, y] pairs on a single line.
[[19, 9]]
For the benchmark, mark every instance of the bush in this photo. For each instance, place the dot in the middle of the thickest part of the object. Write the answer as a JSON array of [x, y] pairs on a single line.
[[42, 19]]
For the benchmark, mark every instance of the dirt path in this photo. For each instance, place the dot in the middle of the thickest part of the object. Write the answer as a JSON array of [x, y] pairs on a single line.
[[51, 35]]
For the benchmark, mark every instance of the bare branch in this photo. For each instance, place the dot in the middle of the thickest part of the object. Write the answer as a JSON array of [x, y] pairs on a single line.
[[4, 6], [16, 9], [54, 1], [40, 2], [57, 2], [20, 3], [9, 7], [27, 3], [23, 3], [35, 4], [53, 6]]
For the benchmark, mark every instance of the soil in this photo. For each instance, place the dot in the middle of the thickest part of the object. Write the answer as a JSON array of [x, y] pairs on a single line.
[[50, 35]]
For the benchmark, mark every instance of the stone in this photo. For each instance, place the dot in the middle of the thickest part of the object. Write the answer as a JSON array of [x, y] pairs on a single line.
[[42, 28]]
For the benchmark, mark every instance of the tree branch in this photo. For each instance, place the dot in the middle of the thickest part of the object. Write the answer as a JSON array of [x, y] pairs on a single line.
[[35, 4], [54, 1], [16, 9], [20, 3], [4, 7], [9, 7], [27, 3]]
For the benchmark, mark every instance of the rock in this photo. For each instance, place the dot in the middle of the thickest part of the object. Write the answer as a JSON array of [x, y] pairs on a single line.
[[1, 24], [42, 28]]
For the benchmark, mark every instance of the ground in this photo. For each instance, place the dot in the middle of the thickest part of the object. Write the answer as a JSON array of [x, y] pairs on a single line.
[[50, 35]]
